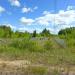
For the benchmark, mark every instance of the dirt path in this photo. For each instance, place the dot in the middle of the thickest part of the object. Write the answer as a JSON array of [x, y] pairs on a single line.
[[16, 64]]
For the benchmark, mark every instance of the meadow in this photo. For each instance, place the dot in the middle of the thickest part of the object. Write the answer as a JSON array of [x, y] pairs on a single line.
[[41, 53]]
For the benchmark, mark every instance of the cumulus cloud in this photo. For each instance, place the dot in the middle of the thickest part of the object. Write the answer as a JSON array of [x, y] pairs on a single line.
[[70, 7], [42, 21], [2, 9], [46, 12], [15, 3], [26, 21], [31, 29], [66, 17], [27, 9], [23, 29], [11, 26], [59, 20]]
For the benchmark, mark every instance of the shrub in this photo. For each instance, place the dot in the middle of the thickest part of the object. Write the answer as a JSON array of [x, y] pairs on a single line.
[[48, 45]]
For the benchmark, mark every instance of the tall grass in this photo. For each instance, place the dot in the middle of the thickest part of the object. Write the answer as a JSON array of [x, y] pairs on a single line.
[[43, 52], [32, 46], [35, 70]]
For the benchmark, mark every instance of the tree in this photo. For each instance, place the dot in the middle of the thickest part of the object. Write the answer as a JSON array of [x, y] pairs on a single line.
[[5, 31], [34, 33], [67, 33], [45, 33]]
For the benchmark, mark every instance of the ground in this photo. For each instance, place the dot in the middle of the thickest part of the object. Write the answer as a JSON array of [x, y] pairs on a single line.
[[17, 65]]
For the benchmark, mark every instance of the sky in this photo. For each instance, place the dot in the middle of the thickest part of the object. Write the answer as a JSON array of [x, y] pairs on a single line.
[[30, 15]]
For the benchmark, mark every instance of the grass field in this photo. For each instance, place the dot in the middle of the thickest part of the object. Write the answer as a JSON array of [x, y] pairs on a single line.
[[38, 52]]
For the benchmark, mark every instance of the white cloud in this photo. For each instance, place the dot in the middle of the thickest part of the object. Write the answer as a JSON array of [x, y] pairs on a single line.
[[60, 20], [65, 17], [11, 26], [42, 21], [70, 7], [23, 29], [2, 9], [46, 12], [27, 9], [26, 21], [15, 3]]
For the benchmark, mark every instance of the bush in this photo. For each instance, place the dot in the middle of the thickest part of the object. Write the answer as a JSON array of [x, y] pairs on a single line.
[[48, 45]]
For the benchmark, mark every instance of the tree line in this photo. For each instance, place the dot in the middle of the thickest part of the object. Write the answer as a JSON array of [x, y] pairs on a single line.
[[7, 32]]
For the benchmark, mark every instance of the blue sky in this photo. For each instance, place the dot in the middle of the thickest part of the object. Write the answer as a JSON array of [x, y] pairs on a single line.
[[30, 15]]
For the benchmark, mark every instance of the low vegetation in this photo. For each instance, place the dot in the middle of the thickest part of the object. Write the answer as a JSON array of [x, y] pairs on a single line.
[[43, 48]]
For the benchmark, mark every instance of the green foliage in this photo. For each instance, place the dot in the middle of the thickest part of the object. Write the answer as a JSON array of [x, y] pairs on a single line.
[[34, 34], [69, 35], [18, 34], [48, 45], [5, 32], [38, 51], [27, 44], [68, 32], [45, 33], [36, 70]]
